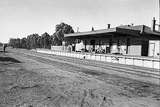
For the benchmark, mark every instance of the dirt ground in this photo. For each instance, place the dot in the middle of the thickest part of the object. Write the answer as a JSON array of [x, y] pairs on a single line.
[[30, 79]]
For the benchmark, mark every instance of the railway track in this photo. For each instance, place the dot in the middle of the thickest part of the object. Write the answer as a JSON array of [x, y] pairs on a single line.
[[96, 68]]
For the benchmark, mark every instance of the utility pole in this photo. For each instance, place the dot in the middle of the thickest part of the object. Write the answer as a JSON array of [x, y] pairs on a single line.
[[159, 42], [159, 17]]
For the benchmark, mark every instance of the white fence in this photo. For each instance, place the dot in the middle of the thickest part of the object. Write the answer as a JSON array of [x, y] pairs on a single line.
[[128, 60]]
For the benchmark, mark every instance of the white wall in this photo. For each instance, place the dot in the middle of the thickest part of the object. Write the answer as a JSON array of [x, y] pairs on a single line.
[[57, 48], [137, 61], [79, 46], [134, 50]]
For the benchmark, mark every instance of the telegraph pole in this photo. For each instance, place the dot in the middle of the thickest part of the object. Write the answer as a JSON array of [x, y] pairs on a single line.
[[159, 17], [159, 41]]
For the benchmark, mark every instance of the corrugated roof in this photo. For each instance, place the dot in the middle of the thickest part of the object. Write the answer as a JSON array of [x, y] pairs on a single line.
[[102, 31], [124, 29]]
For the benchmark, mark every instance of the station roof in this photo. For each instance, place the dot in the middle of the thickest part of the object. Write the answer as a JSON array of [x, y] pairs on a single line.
[[124, 29]]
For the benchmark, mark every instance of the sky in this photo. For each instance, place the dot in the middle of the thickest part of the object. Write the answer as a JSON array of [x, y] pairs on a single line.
[[19, 18]]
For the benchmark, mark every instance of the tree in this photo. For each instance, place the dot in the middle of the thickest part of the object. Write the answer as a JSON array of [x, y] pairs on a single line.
[[32, 41], [39, 42], [12, 42], [61, 29], [28, 42], [54, 40], [1, 44], [46, 40], [23, 42], [15, 43]]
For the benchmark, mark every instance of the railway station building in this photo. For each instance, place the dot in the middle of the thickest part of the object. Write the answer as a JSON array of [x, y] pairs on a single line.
[[137, 40]]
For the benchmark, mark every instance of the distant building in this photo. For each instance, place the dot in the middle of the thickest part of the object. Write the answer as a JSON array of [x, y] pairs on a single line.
[[138, 40]]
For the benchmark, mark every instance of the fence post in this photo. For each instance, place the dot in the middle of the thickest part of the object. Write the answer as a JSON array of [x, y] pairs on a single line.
[[111, 59], [153, 64], [117, 58], [143, 62], [76, 55], [79, 55], [133, 61]]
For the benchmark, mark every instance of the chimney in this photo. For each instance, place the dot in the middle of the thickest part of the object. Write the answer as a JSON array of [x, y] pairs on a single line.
[[142, 29], [77, 29], [132, 24], [92, 28], [153, 24], [108, 26]]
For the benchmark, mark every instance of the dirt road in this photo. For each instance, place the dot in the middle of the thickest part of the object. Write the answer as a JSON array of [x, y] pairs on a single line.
[[30, 79]]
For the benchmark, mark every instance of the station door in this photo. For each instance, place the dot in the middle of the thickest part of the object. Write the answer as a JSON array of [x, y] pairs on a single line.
[[145, 46]]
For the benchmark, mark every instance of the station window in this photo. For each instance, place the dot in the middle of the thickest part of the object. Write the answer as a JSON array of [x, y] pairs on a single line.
[[78, 40], [118, 43], [128, 42]]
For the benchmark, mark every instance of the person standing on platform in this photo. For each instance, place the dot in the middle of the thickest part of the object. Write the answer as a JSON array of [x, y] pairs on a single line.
[[4, 47]]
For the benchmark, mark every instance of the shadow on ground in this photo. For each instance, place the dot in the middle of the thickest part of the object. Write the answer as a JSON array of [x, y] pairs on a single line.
[[9, 59], [3, 51]]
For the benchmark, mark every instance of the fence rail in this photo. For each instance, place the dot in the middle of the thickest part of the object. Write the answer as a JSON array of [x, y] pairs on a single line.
[[128, 60]]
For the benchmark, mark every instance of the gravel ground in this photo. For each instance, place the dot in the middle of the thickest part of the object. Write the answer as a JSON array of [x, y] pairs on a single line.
[[32, 81]]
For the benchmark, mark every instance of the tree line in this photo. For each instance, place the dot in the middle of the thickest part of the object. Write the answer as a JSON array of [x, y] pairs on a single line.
[[1, 44], [42, 41]]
